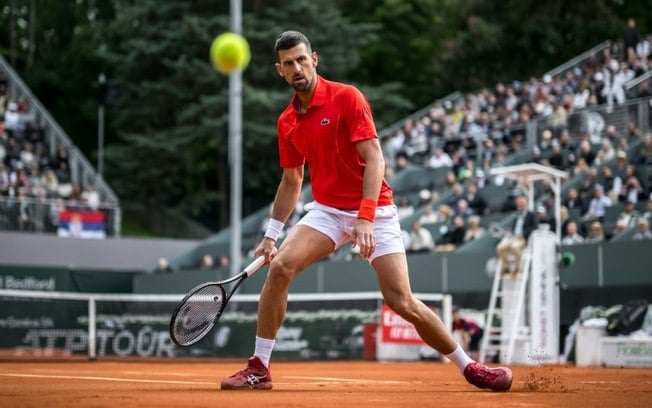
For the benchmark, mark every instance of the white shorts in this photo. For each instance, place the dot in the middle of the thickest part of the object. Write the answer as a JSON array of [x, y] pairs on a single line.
[[338, 226]]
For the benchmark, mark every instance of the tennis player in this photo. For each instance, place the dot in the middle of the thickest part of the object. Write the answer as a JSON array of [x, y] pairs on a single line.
[[330, 126]]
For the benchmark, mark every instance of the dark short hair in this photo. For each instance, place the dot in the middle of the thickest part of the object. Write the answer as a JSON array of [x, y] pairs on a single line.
[[289, 39]]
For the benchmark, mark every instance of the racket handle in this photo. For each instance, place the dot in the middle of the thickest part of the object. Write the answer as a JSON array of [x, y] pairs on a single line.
[[255, 265]]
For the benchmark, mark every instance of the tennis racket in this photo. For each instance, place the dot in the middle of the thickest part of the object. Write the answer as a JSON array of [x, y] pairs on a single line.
[[201, 309]]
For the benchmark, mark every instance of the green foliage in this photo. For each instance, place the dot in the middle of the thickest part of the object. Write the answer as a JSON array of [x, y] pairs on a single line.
[[167, 136]]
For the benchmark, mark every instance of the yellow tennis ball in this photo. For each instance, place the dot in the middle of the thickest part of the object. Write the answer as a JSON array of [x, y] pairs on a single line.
[[230, 52]]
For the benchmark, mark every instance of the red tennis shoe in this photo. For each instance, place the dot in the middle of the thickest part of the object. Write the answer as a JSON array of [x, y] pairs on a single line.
[[496, 379], [255, 377]]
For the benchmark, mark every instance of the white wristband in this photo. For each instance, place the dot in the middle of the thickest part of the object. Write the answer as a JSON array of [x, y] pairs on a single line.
[[274, 228]]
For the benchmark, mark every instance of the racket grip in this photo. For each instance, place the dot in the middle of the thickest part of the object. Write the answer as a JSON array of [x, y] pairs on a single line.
[[255, 265]]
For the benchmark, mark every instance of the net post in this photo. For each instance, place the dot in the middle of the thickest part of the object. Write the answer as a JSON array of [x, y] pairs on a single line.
[[447, 311], [91, 328]]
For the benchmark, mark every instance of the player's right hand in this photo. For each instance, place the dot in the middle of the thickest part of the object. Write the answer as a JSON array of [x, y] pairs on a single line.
[[266, 248]]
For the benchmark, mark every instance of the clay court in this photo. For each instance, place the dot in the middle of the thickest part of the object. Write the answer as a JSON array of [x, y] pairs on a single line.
[[310, 384]]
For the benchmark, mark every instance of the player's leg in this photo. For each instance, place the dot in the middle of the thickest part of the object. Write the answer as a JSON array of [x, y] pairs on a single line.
[[394, 284], [390, 263], [393, 279], [303, 246]]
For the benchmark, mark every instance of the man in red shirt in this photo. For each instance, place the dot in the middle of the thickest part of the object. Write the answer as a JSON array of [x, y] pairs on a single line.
[[469, 330], [330, 126]]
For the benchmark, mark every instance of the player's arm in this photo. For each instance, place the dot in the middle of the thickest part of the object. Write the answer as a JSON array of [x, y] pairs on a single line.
[[374, 171], [287, 195]]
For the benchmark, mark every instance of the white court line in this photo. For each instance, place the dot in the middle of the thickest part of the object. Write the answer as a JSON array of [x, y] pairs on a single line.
[[79, 377], [313, 380], [349, 380], [600, 382]]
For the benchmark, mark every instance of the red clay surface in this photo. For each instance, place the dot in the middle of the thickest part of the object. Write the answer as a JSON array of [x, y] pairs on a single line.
[[339, 384]]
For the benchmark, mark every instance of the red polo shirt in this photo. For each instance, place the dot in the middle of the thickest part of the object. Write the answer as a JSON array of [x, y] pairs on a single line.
[[325, 136]]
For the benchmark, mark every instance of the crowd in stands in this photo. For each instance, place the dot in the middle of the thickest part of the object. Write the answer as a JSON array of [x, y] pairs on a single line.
[[480, 131], [34, 185]]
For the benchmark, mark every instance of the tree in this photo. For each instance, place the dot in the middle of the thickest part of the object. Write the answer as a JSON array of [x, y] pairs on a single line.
[[172, 119]]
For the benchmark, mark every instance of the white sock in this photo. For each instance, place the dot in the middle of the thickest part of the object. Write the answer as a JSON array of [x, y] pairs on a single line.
[[264, 349], [460, 358]]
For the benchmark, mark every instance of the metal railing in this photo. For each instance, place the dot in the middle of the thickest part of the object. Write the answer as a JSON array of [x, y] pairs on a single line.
[[576, 61], [594, 120], [43, 215], [81, 171]]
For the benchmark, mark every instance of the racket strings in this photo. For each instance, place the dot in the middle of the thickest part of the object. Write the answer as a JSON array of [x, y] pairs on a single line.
[[198, 314]]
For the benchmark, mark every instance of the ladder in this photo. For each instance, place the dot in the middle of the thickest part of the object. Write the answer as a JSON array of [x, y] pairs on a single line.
[[506, 304]]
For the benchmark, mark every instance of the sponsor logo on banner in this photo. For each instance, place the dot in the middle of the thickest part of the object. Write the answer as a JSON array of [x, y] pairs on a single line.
[[82, 224], [398, 330], [26, 283]]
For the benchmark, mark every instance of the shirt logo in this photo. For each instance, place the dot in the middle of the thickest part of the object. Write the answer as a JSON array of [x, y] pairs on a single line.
[[325, 121]]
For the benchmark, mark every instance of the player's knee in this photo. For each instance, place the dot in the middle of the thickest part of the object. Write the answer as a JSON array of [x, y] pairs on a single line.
[[403, 306], [280, 272]]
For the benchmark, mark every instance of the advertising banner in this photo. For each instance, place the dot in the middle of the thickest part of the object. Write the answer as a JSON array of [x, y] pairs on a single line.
[[38, 328]]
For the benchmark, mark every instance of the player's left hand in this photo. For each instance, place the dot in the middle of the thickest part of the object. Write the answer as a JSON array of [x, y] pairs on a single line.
[[364, 238]]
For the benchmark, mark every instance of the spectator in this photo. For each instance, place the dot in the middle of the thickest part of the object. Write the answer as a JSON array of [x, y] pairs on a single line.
[[542, 215], [429, 215], [647, 214], [420, 239], [585, 151], [42, 158], [462, 209], [51, 183], [645, 152], [511, 245], [401, 161], [598, 204], [605, 153], [207, 262], [439, 159], [404, 208], [467, 171], [469, 331], [620, 79], [580, 167], [62, 156], [91, 197], [556, 157], [613, 185], [480, 179], [474, 229], [643, 230], [458, 194], [13, 119], [632, 190], [444, 213], [643, 52], [631, 39], [572, 236], [224, 262], [596, 233], [5, 182], [627, 218], [163, 266], [425, 197], [453, 237], [474, 200], [574, 200], [622, 161], [633, 133], [27, 156], [19, 180]]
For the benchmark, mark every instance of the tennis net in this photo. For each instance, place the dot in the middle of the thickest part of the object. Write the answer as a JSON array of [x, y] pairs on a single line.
[[353, 325]]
